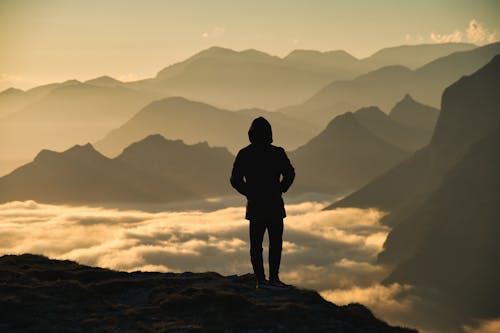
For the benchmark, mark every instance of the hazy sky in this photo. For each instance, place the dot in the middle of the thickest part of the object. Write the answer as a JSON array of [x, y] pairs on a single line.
[[51, 40]]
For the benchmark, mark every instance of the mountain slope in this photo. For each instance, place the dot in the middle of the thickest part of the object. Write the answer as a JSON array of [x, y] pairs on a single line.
[[449, 244], [250, 78], [67, 296], [414, 56], [12, 100], [199, 168], [470, 110], [82, 175], [414, 114], [69, 114], [152, 170], [387, 85], [193, 122], [343, 157], [403, 136]]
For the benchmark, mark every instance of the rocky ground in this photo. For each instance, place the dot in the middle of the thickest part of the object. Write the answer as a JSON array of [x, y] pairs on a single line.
[[42, 295]]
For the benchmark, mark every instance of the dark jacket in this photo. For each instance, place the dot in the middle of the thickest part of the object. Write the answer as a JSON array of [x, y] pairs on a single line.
[[262, 172]]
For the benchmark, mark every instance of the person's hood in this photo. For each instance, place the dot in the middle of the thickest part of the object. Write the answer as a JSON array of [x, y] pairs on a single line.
[[260, 131]]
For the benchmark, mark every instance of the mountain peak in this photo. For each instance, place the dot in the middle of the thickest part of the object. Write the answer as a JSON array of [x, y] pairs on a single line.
[[345, 120], [11, 91], [410, 112], [85, 151], [104, 80], [81, 148], [369, 110], [408, 98]]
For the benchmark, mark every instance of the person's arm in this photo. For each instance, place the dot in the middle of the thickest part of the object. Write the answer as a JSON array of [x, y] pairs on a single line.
[[288, 172], [237, 175]]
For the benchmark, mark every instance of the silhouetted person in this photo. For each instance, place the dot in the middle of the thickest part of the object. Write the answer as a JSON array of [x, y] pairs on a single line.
[[262, 172]]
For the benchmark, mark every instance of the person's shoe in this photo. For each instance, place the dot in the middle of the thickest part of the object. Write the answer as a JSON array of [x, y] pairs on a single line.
[[262, 284], [278, 284]]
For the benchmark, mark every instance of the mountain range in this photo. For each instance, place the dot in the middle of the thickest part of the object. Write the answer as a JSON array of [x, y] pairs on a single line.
[[353, 149], [192, 122], [65, 114], [59, 115], [251, 78], [343, 157], [151, 170], [387, 85], [443, 203]]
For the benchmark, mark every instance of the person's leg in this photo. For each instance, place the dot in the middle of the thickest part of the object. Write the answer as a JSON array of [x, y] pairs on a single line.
[[257, 230], [275, 230]]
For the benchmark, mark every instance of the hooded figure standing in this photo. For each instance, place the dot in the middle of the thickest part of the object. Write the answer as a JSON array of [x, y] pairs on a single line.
[[262, 172]]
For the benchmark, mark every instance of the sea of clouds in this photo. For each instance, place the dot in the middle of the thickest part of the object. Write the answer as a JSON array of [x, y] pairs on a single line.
[[332, 251]]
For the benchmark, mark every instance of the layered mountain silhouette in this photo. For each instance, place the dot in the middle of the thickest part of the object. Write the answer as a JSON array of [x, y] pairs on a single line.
[[70, 113], [250, 78], [414, 56], [469, 112], [414, 114], [343, 157], [58, 115], [179, 118], [443, 203], [449, 243], [104, 81], [12, 100], [404, 136], [385, 86], [69, 297], [152, 170]]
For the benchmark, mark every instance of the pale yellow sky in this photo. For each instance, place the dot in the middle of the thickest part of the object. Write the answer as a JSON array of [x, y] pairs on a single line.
[[55, 40]]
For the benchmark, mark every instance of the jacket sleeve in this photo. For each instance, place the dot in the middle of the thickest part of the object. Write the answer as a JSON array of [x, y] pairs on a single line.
[[237, 175], [288, 172]]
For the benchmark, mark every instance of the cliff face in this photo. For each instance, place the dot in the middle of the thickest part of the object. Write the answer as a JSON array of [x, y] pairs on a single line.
[[39, 294]]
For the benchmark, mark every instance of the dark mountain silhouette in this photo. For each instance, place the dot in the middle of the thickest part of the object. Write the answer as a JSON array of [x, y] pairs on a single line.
[[343, 157], [449, 243], [83, 175], [39, 294], [414, 114], [470, 110], [152, 170], [193, 122], [385, 86], [68, 114], [401, 135], [201, 169]]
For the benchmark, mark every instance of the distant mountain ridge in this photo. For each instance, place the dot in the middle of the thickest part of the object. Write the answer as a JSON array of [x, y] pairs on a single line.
[[469, 112], [387, 85], [397, 133], [193, 122], [448, 242], [414, 114], [242, 79], [151, 170], [65, 114], [343, 157]]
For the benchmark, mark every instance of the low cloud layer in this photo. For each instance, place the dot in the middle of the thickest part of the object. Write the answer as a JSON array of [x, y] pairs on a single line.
[[331, 251], [323, 249]]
